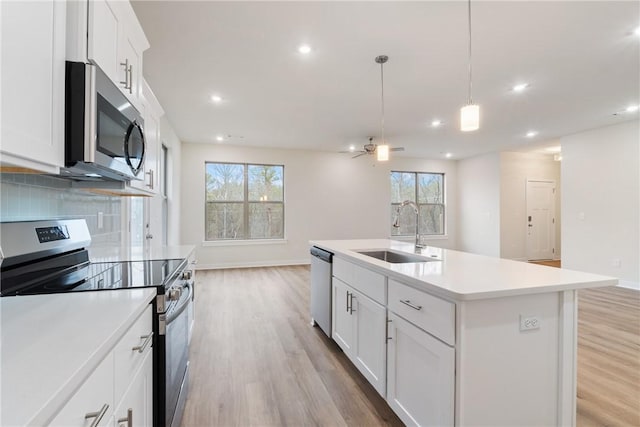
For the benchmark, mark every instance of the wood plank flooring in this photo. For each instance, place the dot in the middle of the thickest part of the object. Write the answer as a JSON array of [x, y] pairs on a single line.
[[256, 360]]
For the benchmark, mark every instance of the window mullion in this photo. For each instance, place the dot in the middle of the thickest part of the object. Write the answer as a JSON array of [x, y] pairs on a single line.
[[246, 201]]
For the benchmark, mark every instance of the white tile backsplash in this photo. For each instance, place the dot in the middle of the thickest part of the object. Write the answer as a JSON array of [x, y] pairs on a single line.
[[37, 197]]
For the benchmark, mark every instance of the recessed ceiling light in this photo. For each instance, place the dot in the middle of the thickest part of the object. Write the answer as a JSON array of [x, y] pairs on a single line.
[[436, 123], [219, 138], [216, 98], [304, 49], [352, 148], [448, 155], [632, 109], [520, 87], [637, 31], [531, 133]]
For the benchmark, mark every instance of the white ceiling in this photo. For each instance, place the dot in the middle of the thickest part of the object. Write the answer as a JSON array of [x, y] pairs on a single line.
[[581, 59]]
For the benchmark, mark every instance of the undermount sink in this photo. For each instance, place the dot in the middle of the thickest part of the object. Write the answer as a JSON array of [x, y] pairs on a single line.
[[396, 257]]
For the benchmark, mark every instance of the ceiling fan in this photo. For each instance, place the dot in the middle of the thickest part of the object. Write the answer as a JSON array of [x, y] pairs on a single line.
[[370, 148]]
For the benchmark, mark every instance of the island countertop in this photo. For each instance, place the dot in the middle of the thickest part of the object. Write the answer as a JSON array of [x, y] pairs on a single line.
[[461, 276]]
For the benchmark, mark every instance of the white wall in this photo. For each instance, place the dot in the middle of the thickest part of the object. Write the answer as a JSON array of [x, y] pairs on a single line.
[[600, 202], [479, 205], [327, 196], [515, 170], [169, 138]]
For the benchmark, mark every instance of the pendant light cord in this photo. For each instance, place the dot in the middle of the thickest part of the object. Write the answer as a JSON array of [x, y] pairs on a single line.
[[469, 12], [382, 86]]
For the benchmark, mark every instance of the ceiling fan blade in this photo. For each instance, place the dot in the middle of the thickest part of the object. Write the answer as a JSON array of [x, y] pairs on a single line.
[[361, 154], [397, 149]]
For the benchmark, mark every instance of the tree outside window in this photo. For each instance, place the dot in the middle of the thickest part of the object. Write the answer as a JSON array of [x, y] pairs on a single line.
[[427, 191], [244, 201]]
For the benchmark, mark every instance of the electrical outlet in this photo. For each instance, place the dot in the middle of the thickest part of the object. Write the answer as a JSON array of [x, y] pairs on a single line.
[[615, 262], [528, 323]]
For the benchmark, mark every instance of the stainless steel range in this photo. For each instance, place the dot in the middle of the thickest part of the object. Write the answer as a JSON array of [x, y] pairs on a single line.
[[43, 257]]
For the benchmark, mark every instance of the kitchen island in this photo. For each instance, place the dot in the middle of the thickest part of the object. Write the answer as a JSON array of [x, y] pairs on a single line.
[[452, 338]]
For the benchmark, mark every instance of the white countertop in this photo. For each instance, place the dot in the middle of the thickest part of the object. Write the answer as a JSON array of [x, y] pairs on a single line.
[[463, 276], [51, 343], [138, 253]]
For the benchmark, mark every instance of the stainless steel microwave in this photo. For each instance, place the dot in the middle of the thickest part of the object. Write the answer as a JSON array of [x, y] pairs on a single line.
[[104, 137]]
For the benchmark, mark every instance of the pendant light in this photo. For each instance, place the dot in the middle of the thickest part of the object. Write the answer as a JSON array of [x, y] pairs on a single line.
[[382, 150], [470, 113]]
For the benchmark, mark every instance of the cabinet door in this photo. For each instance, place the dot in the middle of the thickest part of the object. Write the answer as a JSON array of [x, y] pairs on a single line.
[[32, 80], [342, 321], [370, 329], [420, 374], [94, 399], [103, 38], [135, 408], [132, 58]]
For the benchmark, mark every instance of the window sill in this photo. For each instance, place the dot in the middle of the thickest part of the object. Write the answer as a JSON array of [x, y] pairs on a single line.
[[256, 242], [422, 238]]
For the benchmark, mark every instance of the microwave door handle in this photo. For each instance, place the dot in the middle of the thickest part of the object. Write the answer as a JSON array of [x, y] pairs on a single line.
[[90, 113]]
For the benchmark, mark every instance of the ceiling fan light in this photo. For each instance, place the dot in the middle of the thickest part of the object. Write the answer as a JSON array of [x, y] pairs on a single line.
[[470, 118], [383, 152]]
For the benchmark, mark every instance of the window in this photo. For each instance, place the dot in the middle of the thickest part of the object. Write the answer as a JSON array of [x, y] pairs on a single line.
[[427, 190], [244, 201]]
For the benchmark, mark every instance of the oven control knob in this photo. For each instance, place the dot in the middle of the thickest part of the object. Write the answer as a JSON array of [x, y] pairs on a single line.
[[186, 275], [174, 294]]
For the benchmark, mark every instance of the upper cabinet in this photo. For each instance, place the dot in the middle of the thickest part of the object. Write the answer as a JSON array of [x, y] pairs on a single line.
[[108, 34], [151, 112], [32, 85]]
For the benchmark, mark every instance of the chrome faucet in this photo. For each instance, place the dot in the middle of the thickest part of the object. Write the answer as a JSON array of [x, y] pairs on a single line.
[[396, 223]]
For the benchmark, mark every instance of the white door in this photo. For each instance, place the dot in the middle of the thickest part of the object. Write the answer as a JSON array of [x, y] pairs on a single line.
[[420, 375], [370, 340], [342, 321], [540, 221]]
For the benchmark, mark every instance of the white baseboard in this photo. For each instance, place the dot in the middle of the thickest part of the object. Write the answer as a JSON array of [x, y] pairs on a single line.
[[278, 263], [629, 284]]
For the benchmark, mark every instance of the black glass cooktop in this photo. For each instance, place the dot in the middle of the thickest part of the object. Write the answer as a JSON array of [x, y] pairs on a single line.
[[71, 276]]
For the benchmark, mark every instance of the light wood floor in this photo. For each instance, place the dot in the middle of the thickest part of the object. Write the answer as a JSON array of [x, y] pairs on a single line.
[[256, 361]]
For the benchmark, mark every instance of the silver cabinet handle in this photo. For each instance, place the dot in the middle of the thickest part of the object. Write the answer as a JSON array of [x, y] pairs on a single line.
[[130, 79], [348, 301], [415, 307], [143, 346], [125, 64], [150, 173], [128, 419], [97, 416], [351, 310]]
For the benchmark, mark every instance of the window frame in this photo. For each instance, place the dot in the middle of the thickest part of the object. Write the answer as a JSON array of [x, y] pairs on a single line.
[[246, 203], [394, 206]]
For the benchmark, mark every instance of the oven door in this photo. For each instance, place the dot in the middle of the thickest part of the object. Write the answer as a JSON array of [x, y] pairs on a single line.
[[177, 357]]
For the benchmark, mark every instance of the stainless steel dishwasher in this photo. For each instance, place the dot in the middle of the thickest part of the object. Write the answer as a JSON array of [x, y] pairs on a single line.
[[321, 261]]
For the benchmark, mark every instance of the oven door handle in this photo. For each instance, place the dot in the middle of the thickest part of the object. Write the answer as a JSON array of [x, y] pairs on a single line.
[[185, 301]]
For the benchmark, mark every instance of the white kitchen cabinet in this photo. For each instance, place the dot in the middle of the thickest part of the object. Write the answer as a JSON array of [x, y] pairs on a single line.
[[32, 80], [122, 381], [359, 328], [136, 407], [151, 111], [107, 33], [421, 375], [342, 321]]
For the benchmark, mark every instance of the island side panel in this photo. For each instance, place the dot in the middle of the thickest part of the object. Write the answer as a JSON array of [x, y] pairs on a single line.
[[509, 377]]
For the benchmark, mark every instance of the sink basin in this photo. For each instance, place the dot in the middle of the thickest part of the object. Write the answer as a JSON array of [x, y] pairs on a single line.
[[396, 257]]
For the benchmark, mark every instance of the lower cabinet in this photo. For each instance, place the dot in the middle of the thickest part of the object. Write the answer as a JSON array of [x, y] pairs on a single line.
[[134, 409], [103, 400], [420, 375], [359, 328]]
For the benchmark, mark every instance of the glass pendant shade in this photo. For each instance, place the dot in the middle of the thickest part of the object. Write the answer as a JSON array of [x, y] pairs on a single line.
[[383, 152], [470, 117]]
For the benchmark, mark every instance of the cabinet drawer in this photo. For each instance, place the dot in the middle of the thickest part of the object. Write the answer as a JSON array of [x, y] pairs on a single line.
[[128, 360], [430, 313], [368, 282], [95, 394]]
